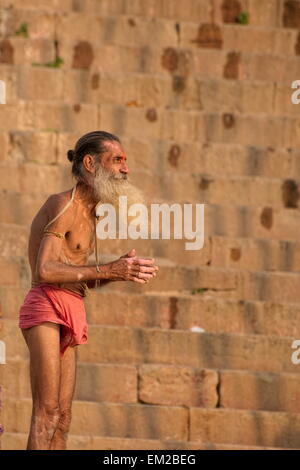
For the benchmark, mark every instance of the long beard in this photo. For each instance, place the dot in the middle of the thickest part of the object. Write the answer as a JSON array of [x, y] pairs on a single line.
[[108, 187]]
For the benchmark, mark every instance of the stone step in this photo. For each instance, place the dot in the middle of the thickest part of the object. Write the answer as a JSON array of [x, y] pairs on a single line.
[[235, 284], [144, 91], [137, 29], [108, 420], [204, 188], [237, 160], [208, 350], [127, 345], [18, 441], [217, 251], [114, 383], [161, 123], [231, 283], [189, 61], [240, 285], [192, 10], [144, 9], [199, 187], [227, 283], [177, 311], [168, 385], [155, 156], [212, 189], [193, 125], [243, 427], [259, 15], [163, 58]]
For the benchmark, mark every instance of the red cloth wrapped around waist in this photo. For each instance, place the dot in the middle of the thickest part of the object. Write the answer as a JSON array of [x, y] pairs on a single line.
[[48, 303]]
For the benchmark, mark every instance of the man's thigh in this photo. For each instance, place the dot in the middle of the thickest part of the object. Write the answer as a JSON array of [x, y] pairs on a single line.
[[43, 342]]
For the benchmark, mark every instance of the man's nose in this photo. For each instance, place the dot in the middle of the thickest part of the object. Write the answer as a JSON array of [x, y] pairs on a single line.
[[124, 168]]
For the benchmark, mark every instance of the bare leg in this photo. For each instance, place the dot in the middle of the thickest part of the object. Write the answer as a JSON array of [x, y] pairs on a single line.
[[43, 343], [66, 392]]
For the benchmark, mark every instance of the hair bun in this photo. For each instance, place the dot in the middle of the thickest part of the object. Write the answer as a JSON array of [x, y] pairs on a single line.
[[71, 155]]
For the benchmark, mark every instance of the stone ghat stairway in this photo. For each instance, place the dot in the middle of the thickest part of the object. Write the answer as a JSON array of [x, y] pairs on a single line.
[[146, 380]]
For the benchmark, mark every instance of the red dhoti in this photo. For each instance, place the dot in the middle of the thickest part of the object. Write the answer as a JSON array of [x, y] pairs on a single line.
[[48, 303]]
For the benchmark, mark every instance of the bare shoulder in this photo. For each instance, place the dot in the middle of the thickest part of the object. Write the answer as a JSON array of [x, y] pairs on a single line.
[[56, 203]]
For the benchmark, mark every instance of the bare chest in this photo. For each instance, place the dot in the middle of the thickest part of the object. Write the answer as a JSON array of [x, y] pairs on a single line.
[[81, 239]]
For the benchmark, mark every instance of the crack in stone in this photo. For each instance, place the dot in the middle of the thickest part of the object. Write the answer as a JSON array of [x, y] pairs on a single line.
[[218, 390]]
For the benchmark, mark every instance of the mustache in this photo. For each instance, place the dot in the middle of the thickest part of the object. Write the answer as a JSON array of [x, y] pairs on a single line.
[[120, 177], [109, 175]]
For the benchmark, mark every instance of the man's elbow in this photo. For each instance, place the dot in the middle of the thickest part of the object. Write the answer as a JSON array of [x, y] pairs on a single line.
[[42, 274]]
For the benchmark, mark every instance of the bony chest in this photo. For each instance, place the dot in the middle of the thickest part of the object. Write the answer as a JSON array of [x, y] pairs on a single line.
[[80, 239]]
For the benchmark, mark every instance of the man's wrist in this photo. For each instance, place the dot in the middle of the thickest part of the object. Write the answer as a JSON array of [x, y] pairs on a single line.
[[102, 271]]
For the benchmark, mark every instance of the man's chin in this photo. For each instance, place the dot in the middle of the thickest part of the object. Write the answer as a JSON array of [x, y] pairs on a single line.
[[109, 188]]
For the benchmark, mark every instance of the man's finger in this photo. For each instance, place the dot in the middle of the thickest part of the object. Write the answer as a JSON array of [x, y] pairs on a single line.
[[130, 254], [144, 275], [146, 261], [139, 270], [136, 279], [148, 269]]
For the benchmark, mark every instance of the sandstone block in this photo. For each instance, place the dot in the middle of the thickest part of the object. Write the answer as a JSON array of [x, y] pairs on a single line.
[[40, 83], [106, 382], [171, 385], [259, 391], [245, 427], [32, 51], [37, 147]]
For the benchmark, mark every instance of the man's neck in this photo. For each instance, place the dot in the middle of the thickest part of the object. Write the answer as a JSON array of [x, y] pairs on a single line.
[[85, 196]]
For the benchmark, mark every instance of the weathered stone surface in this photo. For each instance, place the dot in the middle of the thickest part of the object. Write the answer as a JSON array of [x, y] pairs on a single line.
[[259, 391], [205, 350], [136, 421], [171, 385], [245, 427], [105, 382]]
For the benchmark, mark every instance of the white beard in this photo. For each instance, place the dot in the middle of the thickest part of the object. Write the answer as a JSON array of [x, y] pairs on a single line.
[[107, 188]]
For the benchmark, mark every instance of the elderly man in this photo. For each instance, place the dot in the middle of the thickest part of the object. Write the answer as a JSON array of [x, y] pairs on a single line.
[[52, 317]]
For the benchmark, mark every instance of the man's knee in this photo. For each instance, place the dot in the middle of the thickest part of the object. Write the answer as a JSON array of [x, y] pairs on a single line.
[[65, 420], [49, 414]]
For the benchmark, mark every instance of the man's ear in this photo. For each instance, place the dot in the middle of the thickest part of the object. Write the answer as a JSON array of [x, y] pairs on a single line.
[[88, 163]]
